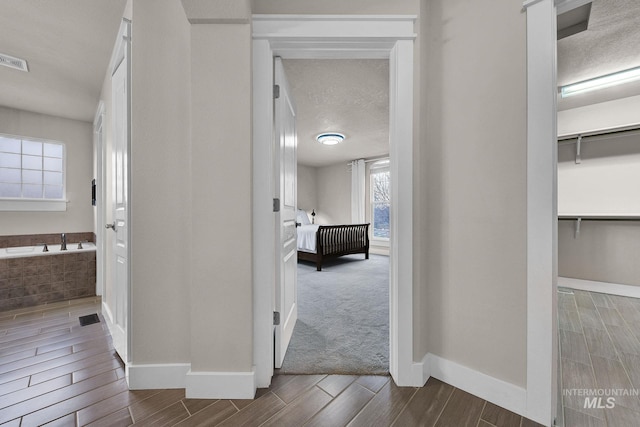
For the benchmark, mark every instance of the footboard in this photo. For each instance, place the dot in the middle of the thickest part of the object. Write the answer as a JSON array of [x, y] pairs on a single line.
[[338, 240]]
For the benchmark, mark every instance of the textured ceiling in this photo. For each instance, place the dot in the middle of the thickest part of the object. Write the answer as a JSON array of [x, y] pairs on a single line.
[[611, 43], [67, 44], [340, 95]]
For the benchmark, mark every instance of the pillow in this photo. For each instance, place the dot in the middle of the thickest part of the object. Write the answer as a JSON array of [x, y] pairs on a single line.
[[302, 217]]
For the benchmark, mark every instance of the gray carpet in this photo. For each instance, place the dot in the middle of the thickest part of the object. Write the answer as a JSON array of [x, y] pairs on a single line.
[[343, 318]]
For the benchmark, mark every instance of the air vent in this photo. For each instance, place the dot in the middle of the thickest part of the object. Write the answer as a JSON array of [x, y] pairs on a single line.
[[11, 62]]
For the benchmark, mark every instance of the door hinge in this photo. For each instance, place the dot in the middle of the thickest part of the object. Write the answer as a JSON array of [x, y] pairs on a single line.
[[276, 205], [276, 318], [276, 91]]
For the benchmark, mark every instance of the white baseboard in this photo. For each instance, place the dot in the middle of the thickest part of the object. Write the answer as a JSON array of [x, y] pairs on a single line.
[[106, 312], [498, 392], [168, 375], [601, 287], [220, 385]]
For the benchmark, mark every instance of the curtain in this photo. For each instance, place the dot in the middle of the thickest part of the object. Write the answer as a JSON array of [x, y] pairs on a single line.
[[357, 191]]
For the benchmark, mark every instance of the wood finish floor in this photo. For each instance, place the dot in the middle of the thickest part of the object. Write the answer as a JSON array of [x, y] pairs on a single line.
[[600, 350], [54, 372]]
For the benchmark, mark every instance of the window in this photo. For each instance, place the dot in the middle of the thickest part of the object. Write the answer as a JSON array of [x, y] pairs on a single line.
[[380, 200], [31, 170]]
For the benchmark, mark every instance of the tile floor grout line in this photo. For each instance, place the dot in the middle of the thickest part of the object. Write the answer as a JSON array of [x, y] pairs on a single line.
[[484, 405]]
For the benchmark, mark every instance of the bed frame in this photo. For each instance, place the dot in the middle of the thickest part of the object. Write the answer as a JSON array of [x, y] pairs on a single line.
[[333, 241]]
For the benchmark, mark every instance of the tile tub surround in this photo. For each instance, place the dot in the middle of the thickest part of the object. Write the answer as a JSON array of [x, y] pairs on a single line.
[[50, 239], [30, 281]]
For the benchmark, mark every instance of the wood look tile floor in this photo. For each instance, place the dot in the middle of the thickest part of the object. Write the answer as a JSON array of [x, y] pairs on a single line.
[[600, 351], [54, 372]]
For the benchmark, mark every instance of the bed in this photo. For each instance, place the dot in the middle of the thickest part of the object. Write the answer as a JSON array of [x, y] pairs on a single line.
[[317, 243]]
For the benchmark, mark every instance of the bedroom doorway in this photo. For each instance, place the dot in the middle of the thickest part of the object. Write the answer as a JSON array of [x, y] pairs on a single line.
[[338, 37], [343, 310]]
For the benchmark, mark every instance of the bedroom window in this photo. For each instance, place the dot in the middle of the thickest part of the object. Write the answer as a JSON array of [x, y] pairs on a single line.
[[31, 174], [380, 201]]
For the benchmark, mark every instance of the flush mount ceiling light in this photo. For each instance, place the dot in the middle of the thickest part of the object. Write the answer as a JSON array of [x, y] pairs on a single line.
[[608, 80], [13, 62], [330, 138]]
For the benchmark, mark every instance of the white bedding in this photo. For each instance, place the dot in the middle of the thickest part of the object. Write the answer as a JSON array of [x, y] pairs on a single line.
[[307, 238]]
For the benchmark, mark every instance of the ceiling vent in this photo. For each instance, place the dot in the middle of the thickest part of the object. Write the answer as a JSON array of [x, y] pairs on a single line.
[[11, 62]]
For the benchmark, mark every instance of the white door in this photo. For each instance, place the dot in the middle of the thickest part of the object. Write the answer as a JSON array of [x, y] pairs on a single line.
[[119, 255], [285, 159]]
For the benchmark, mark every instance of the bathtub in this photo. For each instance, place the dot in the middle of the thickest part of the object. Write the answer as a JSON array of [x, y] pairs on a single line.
[[29, 251], [29, 276]]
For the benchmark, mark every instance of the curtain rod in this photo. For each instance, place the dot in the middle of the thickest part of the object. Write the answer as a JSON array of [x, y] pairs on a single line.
[[369, 160]]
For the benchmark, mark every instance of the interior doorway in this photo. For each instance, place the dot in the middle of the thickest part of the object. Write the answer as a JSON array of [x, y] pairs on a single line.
[[356, 37], [343, 310]]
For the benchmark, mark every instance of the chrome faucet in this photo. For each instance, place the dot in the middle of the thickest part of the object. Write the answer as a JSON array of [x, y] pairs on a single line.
[[63, 247]]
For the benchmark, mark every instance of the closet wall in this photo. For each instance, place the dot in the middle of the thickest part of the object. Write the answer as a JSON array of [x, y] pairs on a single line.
[[605, 182]]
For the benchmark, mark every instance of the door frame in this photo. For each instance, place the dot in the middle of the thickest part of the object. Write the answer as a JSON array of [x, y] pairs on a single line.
[[121, 52], [346, 37], [542, 397], [99, 147]]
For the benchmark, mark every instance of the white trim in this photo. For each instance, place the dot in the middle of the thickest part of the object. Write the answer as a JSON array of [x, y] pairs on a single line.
[[33, 205], [220, 385], [498, 392], [99, 147], [542, 242], [601, 287], [349, 37], [160, 376], [401, 215], [263, 219], [106, 313]]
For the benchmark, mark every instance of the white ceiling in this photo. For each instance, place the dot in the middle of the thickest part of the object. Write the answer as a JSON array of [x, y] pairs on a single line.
[[345, 96], [67, 44], [611, 43]]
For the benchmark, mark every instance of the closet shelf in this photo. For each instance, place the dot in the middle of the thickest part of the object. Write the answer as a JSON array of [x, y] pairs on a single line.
[[598, 217]]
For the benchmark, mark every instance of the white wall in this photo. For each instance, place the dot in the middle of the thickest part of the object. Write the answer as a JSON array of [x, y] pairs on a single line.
[[604, 115], [605, 181], [472, 207], [334, 195], [78, 139], [307, 188]]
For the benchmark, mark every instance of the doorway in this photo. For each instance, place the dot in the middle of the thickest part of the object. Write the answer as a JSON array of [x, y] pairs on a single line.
[[331, 37], [343, 310]]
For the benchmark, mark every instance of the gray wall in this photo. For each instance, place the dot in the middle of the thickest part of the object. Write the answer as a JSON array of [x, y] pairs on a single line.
[[602, 251], [334, 194], [78, 139], [160, 190], [469, 192], [471, 213], [307, 188]]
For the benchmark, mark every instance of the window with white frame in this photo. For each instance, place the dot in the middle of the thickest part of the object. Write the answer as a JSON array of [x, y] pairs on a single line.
[[380, 200], [31, 169]]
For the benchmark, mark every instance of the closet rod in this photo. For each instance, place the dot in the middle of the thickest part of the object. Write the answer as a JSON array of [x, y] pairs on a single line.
[[603, 132]]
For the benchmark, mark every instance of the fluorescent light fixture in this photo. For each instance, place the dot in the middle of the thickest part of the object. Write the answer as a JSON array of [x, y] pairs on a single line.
[[330, 138], [609, 80]]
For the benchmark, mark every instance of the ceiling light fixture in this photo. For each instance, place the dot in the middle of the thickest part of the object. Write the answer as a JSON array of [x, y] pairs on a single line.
[[601, 82], [330, 138]]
